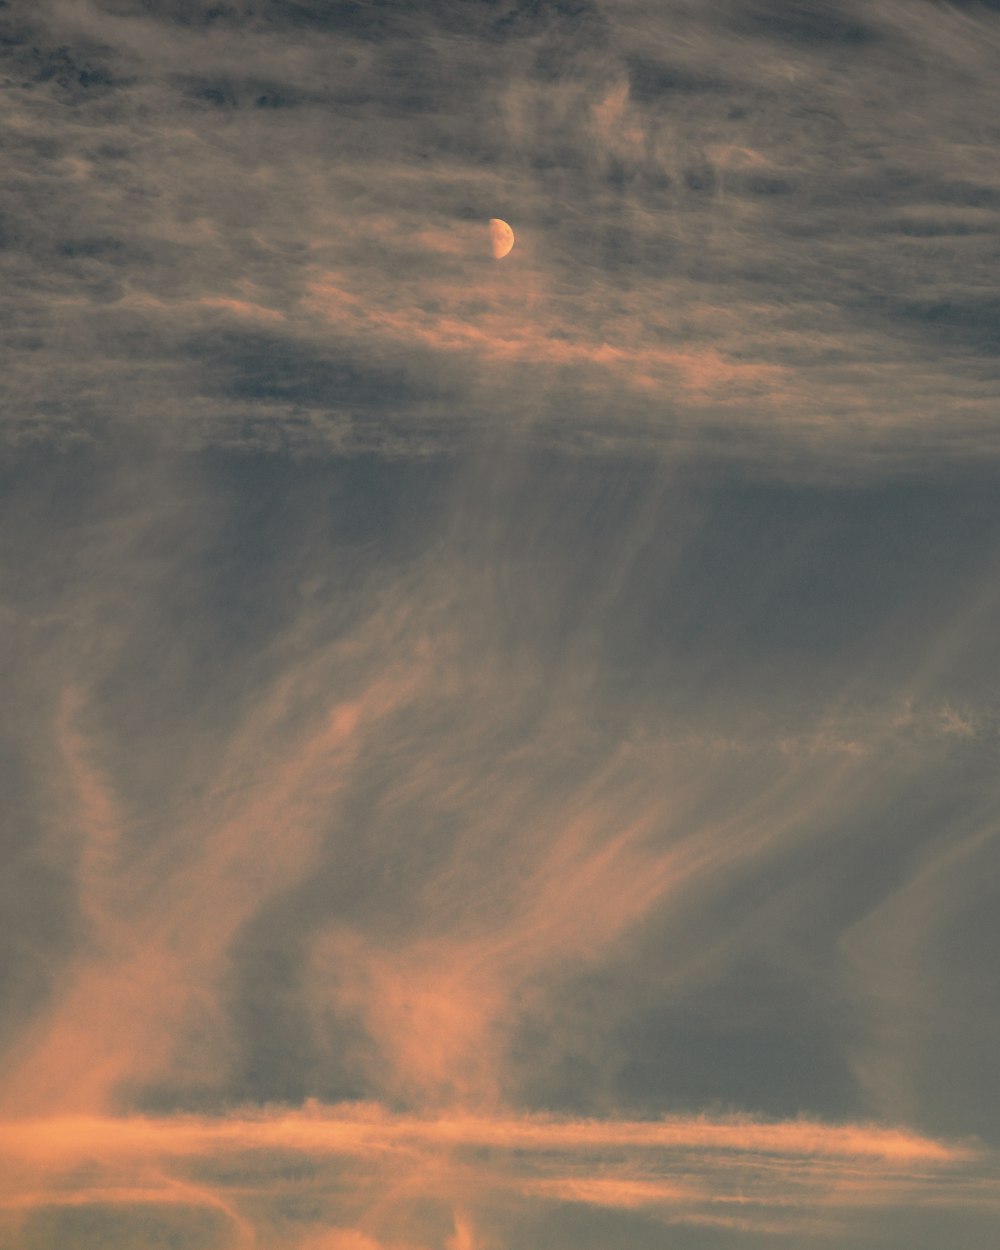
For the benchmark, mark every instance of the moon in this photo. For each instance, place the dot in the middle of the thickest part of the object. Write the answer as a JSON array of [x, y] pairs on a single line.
[[501, 238]]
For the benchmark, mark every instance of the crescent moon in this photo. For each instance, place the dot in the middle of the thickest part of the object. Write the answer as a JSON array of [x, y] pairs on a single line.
[[501, 238]]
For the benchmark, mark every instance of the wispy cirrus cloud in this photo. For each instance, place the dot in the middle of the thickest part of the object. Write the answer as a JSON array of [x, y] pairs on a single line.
[[404, 840]]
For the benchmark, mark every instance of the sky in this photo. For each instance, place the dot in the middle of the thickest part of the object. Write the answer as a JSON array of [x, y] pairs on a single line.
[[499, 753]]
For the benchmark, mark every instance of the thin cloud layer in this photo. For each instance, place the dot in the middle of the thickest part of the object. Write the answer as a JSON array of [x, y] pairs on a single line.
[[744, 229], [759, 1177]]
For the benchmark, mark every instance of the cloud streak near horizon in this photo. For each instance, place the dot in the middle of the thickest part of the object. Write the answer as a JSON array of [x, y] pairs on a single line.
[[499, 753], [755, 1177]]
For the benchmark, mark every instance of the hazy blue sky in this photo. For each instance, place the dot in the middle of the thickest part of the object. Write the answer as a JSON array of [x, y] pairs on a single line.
[[500, 754]]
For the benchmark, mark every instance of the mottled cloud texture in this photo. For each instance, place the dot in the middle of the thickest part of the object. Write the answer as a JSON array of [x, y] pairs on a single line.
[[499, 753], [764, 227]]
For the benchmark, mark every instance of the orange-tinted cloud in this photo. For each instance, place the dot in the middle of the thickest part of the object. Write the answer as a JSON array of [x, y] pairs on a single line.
[[362, 1126], [689, 1169], [159, 927], [629, 351]]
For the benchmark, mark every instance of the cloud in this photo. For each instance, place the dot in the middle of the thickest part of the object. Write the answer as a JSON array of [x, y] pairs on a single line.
[[687, 1171], [409, 840], [730, 243], [498, 755]]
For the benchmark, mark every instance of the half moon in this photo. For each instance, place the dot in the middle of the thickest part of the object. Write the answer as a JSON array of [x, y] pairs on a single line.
[[501, 238]]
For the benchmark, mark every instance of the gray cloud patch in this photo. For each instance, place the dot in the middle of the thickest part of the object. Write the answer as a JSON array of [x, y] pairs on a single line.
[[275, 367], [824, 27]]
